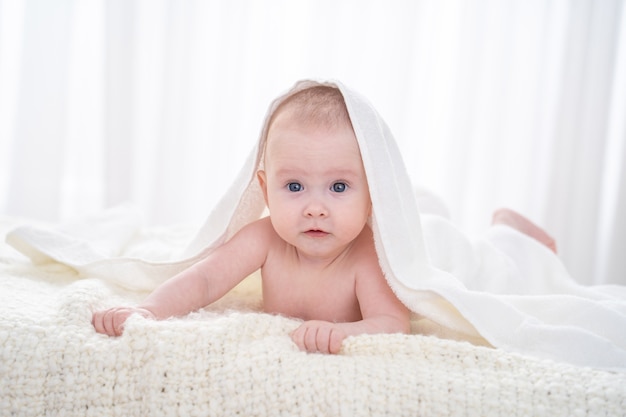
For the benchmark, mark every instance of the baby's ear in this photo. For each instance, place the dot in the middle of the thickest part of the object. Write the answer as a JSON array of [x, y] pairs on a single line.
[[260, 174]]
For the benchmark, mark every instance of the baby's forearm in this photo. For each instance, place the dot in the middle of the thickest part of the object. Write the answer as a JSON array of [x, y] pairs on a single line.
[[181, 294], [377, 324]]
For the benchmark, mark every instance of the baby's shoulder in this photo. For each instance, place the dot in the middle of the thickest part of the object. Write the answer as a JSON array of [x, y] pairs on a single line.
[[364, 242], [260, 232], [261, 228], [255, 238], [363, 253]]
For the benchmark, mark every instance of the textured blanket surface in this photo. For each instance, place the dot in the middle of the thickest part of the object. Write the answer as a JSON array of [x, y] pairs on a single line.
[[230, 359]]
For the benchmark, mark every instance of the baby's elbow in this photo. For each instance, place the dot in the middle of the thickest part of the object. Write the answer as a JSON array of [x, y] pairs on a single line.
[[404, 326], [399, 324], [403, 320]]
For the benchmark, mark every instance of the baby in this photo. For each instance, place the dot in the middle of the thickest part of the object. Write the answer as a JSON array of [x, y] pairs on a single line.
[[315, 250]]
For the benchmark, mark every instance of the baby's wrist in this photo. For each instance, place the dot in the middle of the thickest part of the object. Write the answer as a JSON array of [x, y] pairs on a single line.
[[147, 312]]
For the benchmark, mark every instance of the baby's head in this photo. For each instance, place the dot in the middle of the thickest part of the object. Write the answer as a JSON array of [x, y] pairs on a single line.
[[313, 178], [319, 106], [314, 108]]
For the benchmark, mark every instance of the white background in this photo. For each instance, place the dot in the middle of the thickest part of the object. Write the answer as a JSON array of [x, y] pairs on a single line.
[[493, 103]]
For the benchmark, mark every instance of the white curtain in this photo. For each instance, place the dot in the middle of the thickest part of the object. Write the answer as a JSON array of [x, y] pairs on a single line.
[[494, 103]]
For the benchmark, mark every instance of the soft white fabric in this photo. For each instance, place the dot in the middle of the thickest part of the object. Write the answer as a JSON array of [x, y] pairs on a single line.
[[505, 287], [229, 359]]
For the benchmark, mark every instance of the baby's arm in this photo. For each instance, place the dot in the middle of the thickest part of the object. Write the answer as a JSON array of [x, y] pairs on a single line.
[[381, 310], [199, 285]]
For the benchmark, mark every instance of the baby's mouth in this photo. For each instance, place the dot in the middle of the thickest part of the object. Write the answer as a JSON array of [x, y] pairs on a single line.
[[316, 233]]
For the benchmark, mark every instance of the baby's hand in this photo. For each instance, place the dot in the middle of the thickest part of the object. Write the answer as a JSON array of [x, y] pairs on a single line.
[[319, 336], [111, 321]]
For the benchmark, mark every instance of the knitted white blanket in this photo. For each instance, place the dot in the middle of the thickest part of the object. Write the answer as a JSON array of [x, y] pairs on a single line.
[[232, 360]]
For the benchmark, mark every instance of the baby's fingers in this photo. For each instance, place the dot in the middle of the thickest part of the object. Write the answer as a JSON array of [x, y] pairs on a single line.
[[111, 322], [305, 337], [103, 322], [316, 339], [320, 337], [297, 336]]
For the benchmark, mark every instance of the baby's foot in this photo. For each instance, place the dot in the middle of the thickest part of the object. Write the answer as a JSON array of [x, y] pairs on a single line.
[[521, 223]]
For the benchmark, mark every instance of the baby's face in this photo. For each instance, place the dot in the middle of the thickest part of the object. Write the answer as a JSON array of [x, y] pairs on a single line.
[[315, 186]]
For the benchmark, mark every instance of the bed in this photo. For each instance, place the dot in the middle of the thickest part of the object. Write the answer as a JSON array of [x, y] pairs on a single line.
[[232, 359]]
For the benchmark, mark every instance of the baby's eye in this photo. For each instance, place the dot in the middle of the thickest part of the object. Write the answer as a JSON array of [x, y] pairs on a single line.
[[294, 187], [339, 187]]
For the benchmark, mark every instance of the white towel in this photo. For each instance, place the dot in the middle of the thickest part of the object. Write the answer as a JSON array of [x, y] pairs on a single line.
[[504, 286]]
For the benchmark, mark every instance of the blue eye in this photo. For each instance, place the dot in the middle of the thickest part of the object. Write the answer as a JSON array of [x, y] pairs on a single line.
[[339, 187], [294, 187]]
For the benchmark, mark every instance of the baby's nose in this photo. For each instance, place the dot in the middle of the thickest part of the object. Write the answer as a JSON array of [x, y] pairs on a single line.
[[315, 209]]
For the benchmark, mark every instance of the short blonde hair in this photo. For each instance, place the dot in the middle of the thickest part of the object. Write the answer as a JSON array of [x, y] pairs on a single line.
[[314, 106]]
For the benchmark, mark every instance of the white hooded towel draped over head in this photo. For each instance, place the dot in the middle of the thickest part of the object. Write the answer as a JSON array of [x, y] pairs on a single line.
[[504, 286]]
